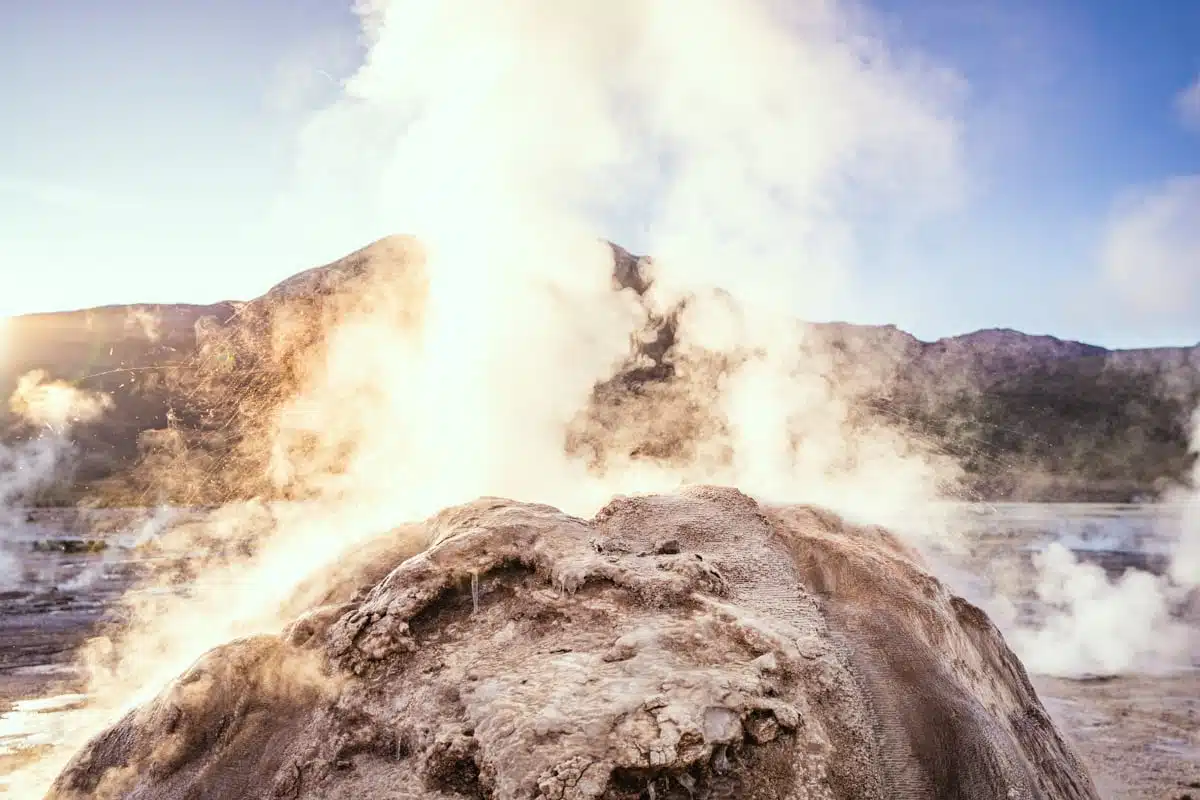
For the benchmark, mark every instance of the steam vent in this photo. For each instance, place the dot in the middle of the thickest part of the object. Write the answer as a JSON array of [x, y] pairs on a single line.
[[698, 645]]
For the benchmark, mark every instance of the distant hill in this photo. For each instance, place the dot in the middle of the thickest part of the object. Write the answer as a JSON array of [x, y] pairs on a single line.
[[1029, 417], [1038, 418], [124, 351]]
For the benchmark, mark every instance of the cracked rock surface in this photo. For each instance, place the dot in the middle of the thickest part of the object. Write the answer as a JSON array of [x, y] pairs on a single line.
[[696, 645]]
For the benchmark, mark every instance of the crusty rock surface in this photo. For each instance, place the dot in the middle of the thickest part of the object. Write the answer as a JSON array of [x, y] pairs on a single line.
[[697, 645]]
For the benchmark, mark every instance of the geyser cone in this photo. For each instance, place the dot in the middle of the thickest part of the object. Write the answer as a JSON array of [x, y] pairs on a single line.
[[692, 645]]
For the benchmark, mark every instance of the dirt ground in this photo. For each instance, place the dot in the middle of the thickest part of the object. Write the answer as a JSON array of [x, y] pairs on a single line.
[[1139, 734]]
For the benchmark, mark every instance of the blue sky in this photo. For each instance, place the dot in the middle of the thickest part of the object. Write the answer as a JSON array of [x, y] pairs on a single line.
[[1073, 106], [145, 147]]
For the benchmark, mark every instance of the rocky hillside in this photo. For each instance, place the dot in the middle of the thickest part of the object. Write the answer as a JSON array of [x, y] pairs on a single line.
[[127, 352], [1034, 417], [1030, 417]]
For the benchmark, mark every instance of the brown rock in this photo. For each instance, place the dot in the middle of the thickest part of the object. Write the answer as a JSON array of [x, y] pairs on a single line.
[[800, 657]]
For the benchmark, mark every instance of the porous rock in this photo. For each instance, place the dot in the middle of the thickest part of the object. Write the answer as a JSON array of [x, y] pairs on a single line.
[[768, 652]]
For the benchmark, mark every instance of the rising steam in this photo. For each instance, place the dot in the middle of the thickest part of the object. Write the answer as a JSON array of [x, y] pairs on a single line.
[[747, 173], [55, 404], [49, 409], [745, 138], [1138, 621]]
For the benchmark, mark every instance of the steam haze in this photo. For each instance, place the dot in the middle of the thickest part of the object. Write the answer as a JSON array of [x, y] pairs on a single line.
[[51, 409], [518, 131], [748, 170]]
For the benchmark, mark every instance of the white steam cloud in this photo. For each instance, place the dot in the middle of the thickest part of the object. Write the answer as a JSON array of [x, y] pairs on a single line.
[[55, 404], [1135, 622], [50, 409], [748, 138], [1185, 556], [1097, 625], [24, 469]]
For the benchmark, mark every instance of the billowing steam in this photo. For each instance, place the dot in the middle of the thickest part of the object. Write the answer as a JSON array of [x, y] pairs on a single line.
[[1185, 555], [49, 409], [23, 470], [55, 404], [1097, 625], [1136, 622], [1093, 621], [747, 139]]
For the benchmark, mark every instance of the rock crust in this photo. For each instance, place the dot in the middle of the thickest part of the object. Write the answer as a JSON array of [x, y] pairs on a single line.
[[697, 645]]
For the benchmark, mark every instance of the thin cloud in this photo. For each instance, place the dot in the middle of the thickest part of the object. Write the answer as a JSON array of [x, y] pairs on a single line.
[[1187, 105], [57, 195], [1150, 254]]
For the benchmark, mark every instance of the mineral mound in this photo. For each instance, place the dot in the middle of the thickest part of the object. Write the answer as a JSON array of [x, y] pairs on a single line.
[[696, 645]]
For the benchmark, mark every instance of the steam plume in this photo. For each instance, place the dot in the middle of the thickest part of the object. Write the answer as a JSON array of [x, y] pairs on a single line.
[[750, 137], [49, 409], [1138, 621]]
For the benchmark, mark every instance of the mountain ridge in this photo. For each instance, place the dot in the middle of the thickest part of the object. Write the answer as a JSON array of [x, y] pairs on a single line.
[[1111, 423]]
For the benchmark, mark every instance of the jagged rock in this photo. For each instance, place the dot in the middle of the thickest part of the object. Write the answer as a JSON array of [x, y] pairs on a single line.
[[779, 653]]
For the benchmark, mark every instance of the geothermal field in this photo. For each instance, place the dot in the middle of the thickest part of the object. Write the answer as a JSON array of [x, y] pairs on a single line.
[[296, 585], [612, 471]]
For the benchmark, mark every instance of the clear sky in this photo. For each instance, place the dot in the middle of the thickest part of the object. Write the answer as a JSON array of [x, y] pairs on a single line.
[[146, 146]]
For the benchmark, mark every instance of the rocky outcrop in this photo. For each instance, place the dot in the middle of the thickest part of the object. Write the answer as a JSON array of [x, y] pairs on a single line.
[[699, 645]]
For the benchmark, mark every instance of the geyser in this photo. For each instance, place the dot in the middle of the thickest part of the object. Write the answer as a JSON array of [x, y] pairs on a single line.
[[694, 645]]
